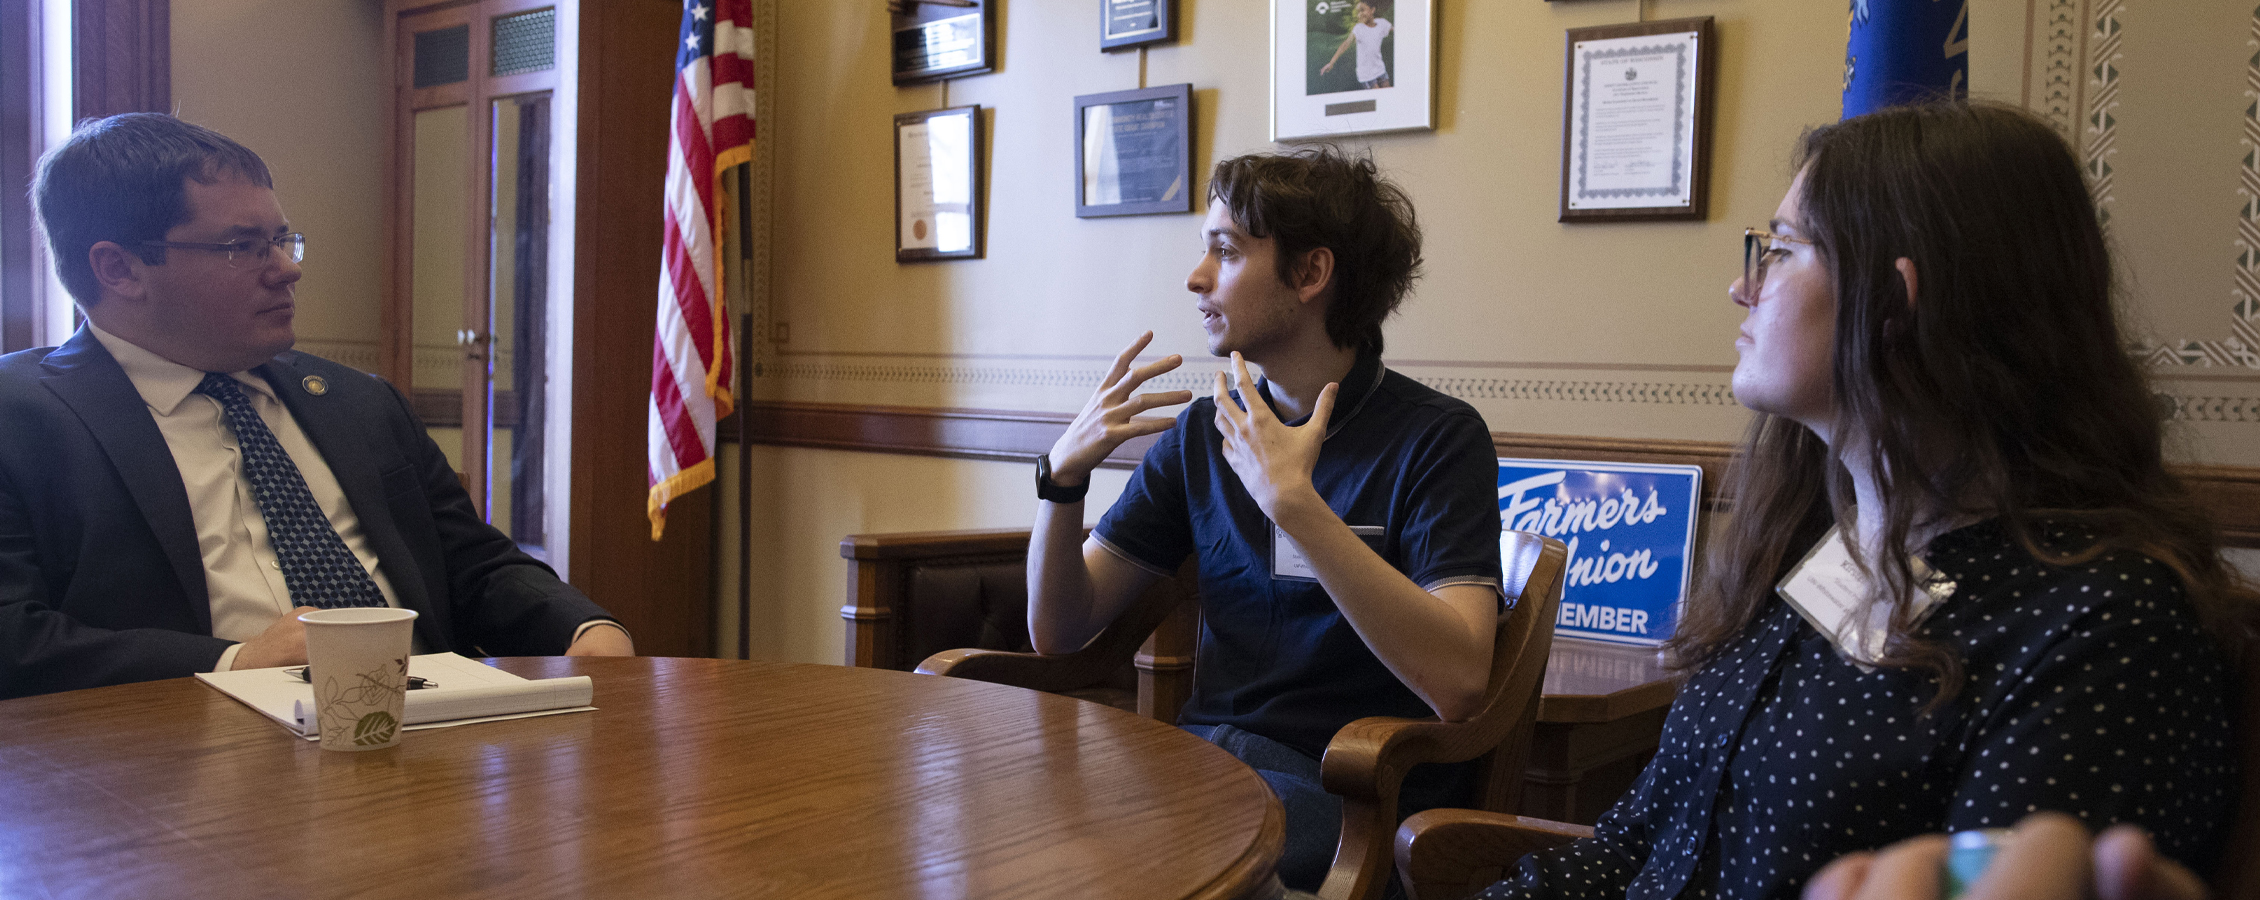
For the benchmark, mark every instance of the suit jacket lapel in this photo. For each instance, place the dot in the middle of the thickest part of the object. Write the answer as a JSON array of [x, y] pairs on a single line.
[[342, 437], [89, 381]]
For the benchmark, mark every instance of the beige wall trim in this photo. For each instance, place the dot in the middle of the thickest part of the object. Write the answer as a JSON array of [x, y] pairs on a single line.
[[993, 434], [363, 355], [2218, 404], [1579, 390], [2242, 347], [2061, 26], [2231, 492]]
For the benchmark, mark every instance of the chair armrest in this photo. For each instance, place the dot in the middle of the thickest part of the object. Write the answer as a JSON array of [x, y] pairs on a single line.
[[1034, 671], [920, 545], [1447, 854], [1375, 752]]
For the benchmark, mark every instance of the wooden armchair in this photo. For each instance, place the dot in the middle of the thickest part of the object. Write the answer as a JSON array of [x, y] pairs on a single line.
[[1367, 760], [1449, 854]]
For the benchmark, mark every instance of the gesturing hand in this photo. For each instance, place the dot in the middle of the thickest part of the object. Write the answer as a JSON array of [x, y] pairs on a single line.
[[1273, 460], [1111, 415]]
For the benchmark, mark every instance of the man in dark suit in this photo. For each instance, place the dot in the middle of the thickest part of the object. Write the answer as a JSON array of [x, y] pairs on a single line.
[[176, 484]]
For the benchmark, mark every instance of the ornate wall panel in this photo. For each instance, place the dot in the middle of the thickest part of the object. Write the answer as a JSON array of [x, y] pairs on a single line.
[[2162, 101]]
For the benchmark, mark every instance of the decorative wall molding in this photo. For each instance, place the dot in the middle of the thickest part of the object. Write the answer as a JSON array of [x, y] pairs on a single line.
[[1088, 376], [882, 369], [1580, 391], [933, 369], [2242, 347], [434, 363], [2231, 492], [2081, 46], [2062, 28], [363, 355], [2215, 409], [2102, 102]]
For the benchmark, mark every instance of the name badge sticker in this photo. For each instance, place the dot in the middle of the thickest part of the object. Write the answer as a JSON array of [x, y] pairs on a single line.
[[1288, 562], [1827, 589]]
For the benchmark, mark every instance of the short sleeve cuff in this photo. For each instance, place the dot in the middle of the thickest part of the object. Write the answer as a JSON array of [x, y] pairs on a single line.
[[1128, 557], [596, 623], [1497, 588]]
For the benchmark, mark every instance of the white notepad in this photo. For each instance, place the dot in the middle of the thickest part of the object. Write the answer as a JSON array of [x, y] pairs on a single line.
[[468, 691]]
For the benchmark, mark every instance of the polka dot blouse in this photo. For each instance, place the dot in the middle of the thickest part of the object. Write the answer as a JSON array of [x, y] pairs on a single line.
[[2090, 691]]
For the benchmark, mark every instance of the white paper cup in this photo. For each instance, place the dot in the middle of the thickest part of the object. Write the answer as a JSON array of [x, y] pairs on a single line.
[[359, 660]]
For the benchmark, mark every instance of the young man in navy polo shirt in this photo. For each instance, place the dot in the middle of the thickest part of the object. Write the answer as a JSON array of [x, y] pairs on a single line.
[[1346, 526]]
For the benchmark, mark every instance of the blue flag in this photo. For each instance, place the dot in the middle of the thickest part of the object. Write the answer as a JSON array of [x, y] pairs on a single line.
[[1906, 50]]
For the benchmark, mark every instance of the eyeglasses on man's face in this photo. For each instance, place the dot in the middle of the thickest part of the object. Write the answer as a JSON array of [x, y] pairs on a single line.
[[1761, 249], [249, 253]]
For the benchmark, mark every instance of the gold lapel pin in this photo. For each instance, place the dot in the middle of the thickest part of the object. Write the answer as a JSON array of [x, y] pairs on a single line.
[[315, 385]]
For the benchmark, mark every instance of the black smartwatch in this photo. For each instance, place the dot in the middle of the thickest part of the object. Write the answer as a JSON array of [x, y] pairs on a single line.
[[1046, 489]]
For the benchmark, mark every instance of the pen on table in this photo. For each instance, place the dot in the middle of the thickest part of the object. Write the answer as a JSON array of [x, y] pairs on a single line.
[[302, 673]]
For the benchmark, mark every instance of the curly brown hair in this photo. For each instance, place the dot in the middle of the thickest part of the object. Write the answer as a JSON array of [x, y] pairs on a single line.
[[1322, 197]]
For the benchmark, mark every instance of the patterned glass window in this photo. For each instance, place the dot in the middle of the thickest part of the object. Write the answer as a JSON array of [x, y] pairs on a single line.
[[443, 56], [526, 42]]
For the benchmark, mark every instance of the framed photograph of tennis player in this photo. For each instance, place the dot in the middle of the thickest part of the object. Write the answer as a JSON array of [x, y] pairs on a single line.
[[1636, 121], [937, 39], [1124, 24], [1134, 152], [938, 184], [1351, 67]]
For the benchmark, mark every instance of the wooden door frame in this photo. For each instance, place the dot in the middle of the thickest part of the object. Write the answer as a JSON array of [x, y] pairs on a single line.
[[615, 84]]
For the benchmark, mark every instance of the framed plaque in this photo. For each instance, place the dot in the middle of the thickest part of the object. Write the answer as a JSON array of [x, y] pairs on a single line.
[[938, 184], [1136, 23], [1351, 67], [1636, 121], [937, 39], [1134, 152]]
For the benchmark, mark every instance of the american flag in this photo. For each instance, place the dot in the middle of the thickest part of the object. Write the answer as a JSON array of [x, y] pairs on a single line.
[[691, 359]]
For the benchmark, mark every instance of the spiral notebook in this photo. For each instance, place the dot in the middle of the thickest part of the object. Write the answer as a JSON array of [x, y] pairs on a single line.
[[464, 691]]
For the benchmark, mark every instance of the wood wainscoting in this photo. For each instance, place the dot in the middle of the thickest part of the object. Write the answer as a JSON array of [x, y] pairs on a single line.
[[2231, 492]]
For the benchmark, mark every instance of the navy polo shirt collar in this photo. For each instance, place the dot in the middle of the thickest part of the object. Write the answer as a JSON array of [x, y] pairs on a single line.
[[1356, 388]]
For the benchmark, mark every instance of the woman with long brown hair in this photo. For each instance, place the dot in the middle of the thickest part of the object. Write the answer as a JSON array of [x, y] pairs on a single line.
[[1958, 586]]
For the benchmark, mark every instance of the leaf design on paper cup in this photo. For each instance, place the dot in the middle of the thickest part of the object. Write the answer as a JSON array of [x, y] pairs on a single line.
[[375, 728], [340, 704]]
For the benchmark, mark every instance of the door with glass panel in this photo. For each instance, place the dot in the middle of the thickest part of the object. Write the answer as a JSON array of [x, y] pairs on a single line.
[[466, 325]]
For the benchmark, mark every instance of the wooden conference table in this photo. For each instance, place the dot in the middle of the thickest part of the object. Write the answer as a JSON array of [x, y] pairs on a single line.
[[694, 778], [1600, 718]]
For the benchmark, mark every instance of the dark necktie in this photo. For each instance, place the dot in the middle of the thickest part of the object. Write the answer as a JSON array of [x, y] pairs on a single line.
[[316, 565]]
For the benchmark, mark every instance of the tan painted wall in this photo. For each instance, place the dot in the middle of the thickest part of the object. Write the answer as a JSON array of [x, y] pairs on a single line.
[[302, 84], [1514, 305]]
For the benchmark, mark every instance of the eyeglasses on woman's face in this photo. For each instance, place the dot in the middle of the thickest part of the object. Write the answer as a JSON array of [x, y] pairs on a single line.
[[1761, 249]]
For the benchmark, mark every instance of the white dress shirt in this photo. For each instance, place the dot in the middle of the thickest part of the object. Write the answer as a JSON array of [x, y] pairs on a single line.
[[241, 571]]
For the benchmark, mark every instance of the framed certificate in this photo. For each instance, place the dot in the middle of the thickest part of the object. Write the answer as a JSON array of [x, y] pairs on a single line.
[[937, 39], [1136, 23], [1636, 121], [938, 184], [1134, 152], [1351, 67]]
